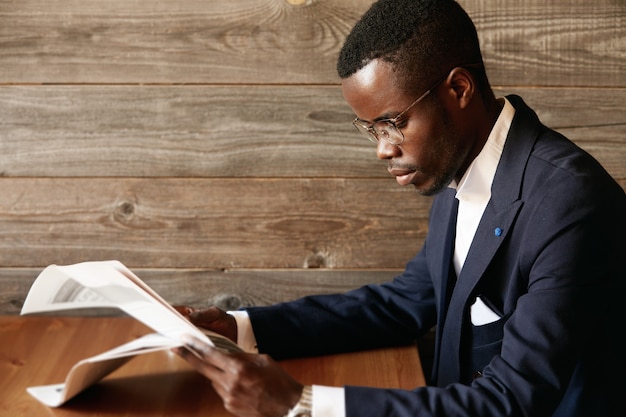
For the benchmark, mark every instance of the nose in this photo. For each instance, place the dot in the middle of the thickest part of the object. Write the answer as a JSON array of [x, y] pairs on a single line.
[[385, 150]]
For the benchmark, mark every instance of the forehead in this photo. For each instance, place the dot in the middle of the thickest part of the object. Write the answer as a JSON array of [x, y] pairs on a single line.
[[374, 91]]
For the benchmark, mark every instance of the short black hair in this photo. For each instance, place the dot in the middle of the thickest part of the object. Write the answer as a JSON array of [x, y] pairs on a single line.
[[420, 38]]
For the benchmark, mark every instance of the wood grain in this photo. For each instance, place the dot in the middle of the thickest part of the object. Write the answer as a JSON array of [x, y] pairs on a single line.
[[228, 289], [207, 144], [42, 350], [578, 42], [222, 223], [232, 131], [188, 41], [261, 131], [556, 43]]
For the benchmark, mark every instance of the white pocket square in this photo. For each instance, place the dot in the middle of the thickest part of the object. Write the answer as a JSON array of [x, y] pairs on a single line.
[[481, 314]]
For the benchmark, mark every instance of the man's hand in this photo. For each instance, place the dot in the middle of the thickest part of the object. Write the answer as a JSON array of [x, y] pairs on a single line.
[[212, 319], [250, 385]]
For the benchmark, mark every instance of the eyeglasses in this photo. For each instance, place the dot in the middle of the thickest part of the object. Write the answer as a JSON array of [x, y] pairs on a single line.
[[387, 129]]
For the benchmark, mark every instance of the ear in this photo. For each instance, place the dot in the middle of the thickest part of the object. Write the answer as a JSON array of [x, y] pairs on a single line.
[[462, 86]]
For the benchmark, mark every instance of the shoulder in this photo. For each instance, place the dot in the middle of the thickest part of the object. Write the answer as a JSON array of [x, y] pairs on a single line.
[[544, 158]]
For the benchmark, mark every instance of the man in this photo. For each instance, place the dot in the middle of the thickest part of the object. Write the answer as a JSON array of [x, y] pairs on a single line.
[[523, 284]]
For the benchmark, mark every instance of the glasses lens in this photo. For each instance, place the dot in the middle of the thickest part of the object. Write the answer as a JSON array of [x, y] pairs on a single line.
[[381, 130], [388, 132], [368, 132]]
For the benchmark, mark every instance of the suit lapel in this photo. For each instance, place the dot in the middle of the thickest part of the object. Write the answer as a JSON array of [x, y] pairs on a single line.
[[444, 244], [493, 229], [448, 276], [441, 241]]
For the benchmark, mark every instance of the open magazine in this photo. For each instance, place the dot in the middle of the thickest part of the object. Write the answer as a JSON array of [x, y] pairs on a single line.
[[108, 284]]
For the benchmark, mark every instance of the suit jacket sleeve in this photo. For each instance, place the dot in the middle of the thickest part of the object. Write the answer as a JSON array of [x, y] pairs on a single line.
[[391, 314]]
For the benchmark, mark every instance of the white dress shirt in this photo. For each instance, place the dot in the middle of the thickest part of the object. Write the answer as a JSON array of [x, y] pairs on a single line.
[[473, 193], [474, 189]]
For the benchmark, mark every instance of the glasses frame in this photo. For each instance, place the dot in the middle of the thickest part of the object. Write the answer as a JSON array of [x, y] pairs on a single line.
[[369, 130]]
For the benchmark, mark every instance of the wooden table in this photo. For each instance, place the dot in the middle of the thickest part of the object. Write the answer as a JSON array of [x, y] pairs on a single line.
[[41, 350]]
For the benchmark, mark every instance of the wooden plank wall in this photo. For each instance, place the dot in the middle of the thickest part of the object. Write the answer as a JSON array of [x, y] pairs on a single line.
[[206, 145]]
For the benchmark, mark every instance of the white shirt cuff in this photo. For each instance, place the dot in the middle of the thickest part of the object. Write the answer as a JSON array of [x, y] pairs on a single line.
[[245, 335], [328, 401]]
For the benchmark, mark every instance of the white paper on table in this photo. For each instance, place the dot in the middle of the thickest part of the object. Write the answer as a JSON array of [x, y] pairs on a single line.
[[89, 371], [109, 284]]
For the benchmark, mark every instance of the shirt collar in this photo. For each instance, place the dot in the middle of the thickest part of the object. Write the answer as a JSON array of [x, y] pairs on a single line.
[[476, 182]]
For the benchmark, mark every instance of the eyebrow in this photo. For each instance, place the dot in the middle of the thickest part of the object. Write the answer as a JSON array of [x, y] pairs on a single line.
[[385, 116]]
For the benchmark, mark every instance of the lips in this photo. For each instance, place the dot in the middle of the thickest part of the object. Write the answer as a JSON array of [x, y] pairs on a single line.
[[403, 176]]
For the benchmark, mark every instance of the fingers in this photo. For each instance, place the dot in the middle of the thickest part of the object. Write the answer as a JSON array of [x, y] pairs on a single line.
[[215, 356], [185, 311], [216, 320], [206, 317], [249, 384], [199, 316], [201, 357], [195, 359], [221, 368], [211, 318], [201, 349]]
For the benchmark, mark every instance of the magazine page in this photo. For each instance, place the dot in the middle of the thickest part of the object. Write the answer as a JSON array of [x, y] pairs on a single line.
[[104, 284], [109, 284], [91, 370]]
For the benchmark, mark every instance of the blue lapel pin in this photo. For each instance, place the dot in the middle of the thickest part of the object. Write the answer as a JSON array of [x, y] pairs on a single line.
[[497, 231]]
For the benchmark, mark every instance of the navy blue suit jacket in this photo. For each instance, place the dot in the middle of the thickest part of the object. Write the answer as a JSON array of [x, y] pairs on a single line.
[[554, 272]]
